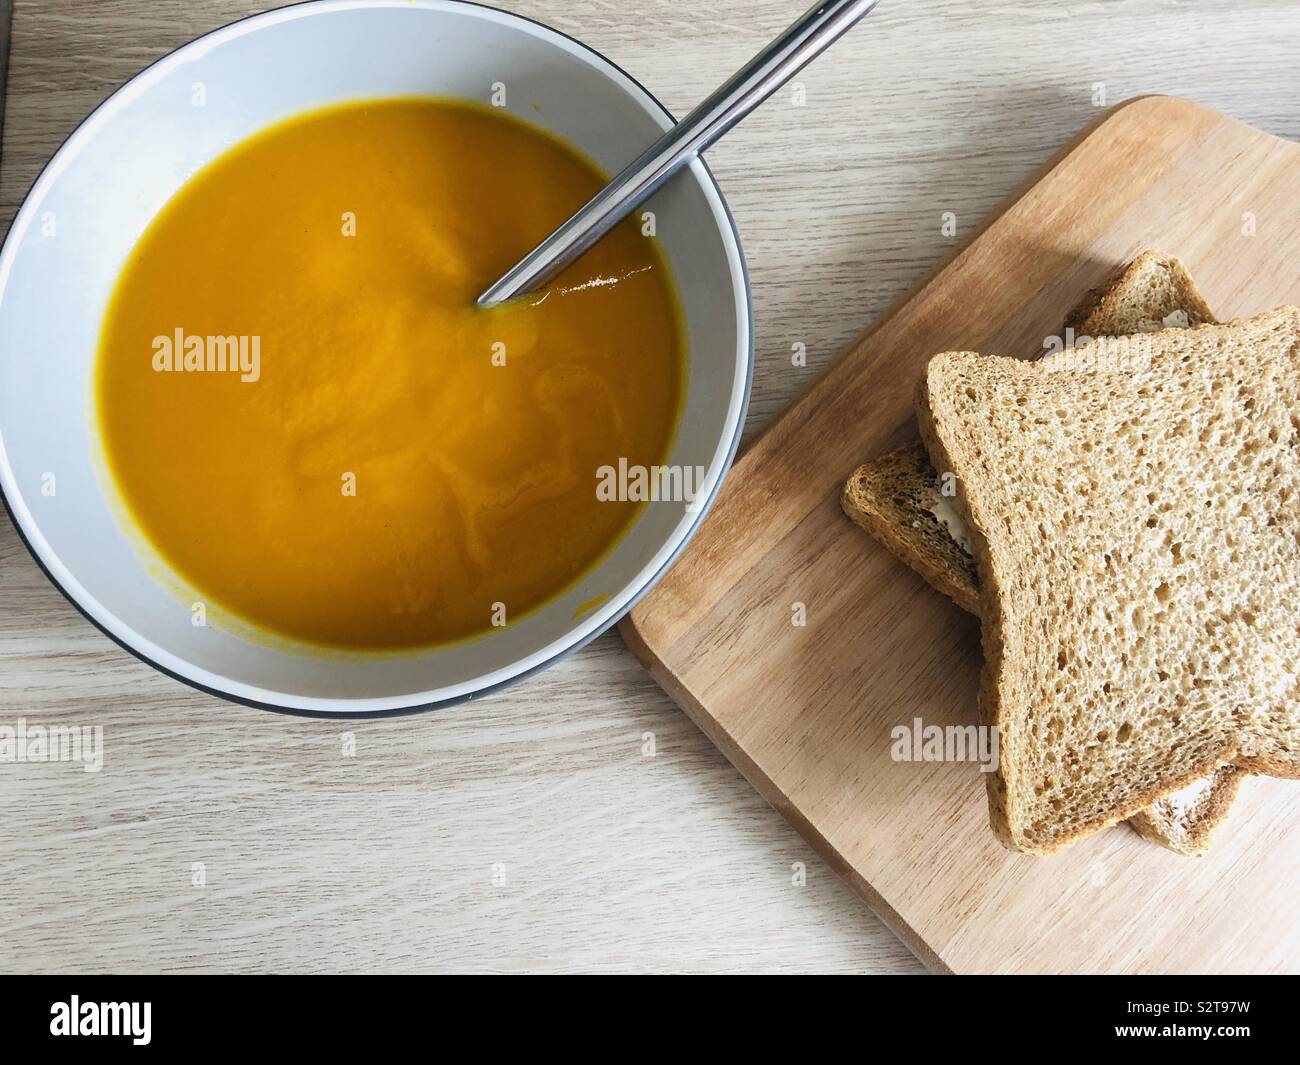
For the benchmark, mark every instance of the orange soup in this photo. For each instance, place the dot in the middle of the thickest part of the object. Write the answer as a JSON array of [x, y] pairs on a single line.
[[310, 420]]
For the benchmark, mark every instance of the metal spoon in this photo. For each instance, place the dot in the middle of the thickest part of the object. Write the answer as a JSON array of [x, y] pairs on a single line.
[[820, 27]]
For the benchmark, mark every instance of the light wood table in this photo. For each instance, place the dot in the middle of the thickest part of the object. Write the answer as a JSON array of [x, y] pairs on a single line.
[[531, 831]]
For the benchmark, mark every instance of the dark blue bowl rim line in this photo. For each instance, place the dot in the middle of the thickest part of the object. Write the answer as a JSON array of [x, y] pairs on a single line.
[[479, 693]]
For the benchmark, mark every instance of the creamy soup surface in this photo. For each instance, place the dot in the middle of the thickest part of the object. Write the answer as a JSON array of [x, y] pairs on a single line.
[[309, 419]]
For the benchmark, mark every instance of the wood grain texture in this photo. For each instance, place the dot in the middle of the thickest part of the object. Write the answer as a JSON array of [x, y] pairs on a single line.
[[613, 861], [805, 702]]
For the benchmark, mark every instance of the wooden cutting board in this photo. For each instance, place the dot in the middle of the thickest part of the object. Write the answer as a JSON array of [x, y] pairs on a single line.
[[805, 711]]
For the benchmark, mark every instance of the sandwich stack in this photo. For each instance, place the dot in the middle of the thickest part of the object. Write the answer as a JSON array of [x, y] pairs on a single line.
[[1124, 517]]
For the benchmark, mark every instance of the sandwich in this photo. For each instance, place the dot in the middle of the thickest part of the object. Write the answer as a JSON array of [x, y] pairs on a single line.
[[1133, 509], [899, 498]]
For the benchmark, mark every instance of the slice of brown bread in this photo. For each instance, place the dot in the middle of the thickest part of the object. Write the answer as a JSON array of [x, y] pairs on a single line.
[[1134, 513], [1185, 820], [896, 498], [1151, 293]]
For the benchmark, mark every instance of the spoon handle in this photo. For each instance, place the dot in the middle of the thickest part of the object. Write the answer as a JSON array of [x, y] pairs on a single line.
[[814, 32]]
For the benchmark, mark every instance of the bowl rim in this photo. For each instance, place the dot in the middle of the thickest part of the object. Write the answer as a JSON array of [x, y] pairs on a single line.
[[583, 632]]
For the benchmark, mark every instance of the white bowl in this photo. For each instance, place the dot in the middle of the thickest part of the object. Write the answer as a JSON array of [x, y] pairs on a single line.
[[121, 165]]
